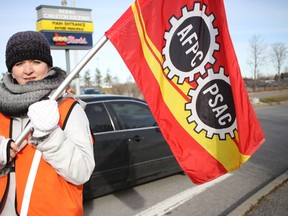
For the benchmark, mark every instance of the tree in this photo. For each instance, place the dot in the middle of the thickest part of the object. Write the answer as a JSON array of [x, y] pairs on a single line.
[[1, 76], [87, 79], [278, 56], [98, 78], [257, 50], [116, 80], [108, 79]]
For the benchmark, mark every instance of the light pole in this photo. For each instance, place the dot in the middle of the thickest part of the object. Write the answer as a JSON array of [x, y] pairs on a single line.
[[77, 81], [77, 84]]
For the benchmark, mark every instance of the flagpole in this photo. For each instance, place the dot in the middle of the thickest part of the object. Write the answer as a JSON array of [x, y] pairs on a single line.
[[65, 83]]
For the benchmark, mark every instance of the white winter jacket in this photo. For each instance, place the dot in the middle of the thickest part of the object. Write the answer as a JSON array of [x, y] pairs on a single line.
[[69, 152]]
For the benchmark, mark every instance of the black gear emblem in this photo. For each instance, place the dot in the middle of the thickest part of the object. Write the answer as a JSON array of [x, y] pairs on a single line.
[[186, 53], [212, 106]]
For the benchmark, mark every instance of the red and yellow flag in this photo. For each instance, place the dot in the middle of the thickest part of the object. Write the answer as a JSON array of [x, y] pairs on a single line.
[[182, 58]]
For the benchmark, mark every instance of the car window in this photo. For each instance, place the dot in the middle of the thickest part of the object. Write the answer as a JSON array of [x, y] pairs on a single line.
[[98, 118], [133, 115]]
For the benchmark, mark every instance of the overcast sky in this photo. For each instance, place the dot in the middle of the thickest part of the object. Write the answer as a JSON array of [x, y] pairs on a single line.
[[245, 19]]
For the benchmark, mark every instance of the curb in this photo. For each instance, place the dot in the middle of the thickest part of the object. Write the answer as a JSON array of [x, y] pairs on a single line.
[[253, 200]]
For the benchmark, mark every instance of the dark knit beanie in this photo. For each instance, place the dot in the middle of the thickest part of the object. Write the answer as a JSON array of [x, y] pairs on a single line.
[[27, 45]]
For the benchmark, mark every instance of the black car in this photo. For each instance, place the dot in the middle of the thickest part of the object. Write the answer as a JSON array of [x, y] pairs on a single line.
[[84, 91], [129, 148]]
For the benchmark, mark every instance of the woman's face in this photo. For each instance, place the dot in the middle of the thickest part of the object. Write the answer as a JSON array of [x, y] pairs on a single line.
[[27, 70]]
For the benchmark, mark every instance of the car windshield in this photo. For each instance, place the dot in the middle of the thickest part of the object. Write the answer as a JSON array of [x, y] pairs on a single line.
[[92, 91]]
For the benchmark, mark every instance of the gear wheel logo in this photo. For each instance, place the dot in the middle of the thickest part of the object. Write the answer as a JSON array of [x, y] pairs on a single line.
[[212, 106], [190, 44]]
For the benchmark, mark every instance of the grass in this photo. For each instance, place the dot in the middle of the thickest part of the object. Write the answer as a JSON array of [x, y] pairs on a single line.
[[274, 99]]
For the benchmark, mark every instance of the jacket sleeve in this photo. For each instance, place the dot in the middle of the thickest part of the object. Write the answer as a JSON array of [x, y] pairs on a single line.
[[70, 152], [4, 151]]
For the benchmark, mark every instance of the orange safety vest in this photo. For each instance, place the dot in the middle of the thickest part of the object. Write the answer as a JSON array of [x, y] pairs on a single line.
[[51, 194]]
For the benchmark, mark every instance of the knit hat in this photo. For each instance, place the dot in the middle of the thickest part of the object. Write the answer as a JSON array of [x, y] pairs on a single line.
[[27, 45]]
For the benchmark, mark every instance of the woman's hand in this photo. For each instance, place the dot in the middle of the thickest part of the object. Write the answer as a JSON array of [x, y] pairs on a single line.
[[14, 149]]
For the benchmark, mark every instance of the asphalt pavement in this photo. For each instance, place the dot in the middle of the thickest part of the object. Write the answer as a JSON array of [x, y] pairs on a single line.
[[275, 203], [273, 198], [270, 200]]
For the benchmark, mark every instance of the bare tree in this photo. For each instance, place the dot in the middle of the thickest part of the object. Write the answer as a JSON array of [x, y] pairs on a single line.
[[1, 76], [64, 3], [87, 79], [278, 56], [108, 78], [98, 78], [257, 50], [116, 80], [128, 88]]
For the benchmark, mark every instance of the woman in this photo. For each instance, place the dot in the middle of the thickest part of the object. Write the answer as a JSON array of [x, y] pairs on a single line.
[[60, 144]]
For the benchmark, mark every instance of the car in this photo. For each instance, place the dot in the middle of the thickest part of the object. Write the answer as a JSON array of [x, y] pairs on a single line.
[[129, 148], [84, 91]]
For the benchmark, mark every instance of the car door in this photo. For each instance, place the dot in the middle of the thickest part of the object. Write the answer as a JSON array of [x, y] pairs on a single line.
[[110, 153], [149, 155]]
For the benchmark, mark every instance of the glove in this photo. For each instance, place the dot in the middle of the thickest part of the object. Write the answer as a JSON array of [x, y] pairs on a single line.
[[44, 117], [4, 144]]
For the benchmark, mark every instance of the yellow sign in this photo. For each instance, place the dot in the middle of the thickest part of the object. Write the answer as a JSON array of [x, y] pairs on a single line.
[[61, 25]]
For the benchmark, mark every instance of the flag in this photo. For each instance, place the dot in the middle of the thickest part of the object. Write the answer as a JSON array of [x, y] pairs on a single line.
[[182, 58]]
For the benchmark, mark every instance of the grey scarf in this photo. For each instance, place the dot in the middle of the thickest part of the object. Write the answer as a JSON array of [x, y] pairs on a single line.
[[15, 99]]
